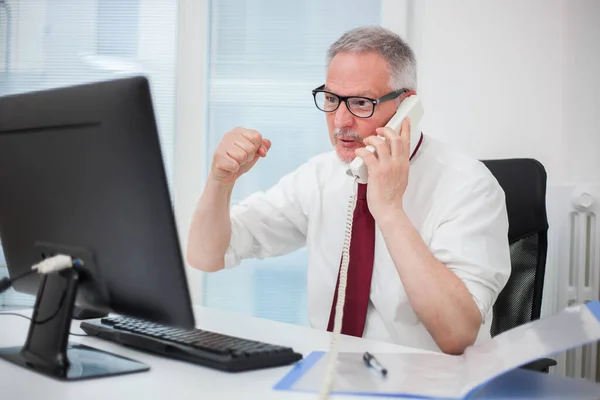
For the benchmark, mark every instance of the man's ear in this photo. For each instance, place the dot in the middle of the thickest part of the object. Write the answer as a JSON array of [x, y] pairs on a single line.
[[405, 95]]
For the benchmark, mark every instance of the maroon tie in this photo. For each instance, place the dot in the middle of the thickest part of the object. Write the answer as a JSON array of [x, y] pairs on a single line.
[[360, 269]]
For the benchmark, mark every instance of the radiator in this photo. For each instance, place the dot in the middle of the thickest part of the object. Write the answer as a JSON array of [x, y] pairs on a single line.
[[573, 266]]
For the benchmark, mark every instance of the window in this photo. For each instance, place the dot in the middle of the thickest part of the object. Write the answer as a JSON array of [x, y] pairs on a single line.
[[264, 61], [52, 43]]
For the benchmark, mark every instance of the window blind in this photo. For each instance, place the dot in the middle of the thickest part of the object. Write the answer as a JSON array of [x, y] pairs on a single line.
[[265, 58], [53, 43]]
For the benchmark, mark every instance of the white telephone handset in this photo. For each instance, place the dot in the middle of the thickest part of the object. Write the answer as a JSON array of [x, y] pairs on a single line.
[[410, 107]]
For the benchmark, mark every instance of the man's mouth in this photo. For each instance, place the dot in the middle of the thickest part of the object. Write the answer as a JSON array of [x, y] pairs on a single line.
[[349, 142], [348, 139]]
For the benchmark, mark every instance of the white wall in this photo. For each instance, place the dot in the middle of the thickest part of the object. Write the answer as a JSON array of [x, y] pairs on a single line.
[[513, 79], [517, 78], [581, 82]]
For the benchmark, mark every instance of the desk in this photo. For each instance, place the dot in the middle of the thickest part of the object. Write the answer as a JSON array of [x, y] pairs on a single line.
[[175, 380]]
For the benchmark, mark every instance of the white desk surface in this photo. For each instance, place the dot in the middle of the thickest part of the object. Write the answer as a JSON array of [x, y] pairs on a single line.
[[171, 379], [177, 380]]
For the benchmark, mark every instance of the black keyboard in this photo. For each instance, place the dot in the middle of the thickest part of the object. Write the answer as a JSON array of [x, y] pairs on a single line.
[[210, 349]]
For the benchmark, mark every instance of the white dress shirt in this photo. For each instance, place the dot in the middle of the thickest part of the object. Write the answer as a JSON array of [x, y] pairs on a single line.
[[453, 201]]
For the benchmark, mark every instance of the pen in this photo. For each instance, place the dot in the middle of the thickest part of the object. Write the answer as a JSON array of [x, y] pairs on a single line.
[[372, 362]]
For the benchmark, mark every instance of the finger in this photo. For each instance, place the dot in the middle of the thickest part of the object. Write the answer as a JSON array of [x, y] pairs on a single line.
[[227, 164], [381, 147], [247, 146], [266, 145], [250, 164], [262, 152], [369, 158], [405, 138], [239, 155], [394, 140], [253, 136]]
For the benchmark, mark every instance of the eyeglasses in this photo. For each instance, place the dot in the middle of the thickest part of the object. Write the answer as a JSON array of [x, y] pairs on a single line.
[[362, 107]]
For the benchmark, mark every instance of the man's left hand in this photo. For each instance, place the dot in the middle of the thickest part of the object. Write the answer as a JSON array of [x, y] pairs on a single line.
[[387, 169]]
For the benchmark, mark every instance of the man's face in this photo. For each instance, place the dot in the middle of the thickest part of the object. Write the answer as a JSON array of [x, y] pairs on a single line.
[[353, 74]]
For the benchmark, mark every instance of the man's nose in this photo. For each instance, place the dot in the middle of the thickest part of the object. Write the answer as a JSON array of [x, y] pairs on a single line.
[[343, 117]]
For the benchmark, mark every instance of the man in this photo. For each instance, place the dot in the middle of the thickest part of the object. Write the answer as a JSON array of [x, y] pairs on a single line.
[[430, 249]]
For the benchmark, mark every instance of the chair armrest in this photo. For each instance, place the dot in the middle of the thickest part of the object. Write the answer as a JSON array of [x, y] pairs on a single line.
[[540, 365]]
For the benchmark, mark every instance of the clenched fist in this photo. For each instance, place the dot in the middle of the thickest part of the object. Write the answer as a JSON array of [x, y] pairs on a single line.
[[237, 152]]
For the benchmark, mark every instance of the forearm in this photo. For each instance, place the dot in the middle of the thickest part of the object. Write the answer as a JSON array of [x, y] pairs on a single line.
[[440, 299], [210, 231]]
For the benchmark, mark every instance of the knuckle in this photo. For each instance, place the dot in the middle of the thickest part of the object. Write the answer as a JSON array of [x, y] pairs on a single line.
[[238, 154], [220, 157], [224, 162], [241, 133], [253, 135], [232, 164], [235, 166], [233, 133], [221, 166], [363, 152]]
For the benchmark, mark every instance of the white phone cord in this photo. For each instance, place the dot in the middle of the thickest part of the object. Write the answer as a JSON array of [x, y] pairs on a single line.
[[341, 298]]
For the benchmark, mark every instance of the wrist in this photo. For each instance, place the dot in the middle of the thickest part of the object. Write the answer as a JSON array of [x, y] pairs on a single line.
[[392, 217], [217, 189]]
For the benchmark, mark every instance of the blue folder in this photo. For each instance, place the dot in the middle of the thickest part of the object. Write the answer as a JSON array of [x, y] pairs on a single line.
[[516, 383]]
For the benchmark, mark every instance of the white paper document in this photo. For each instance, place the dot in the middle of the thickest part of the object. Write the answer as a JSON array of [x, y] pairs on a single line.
[[455, 377]]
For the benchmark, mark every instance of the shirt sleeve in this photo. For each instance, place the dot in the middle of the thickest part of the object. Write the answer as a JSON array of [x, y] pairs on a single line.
[[270, 223], [472, 239]]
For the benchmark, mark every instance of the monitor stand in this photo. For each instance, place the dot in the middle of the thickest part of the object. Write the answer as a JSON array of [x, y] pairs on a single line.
[[47, 349]]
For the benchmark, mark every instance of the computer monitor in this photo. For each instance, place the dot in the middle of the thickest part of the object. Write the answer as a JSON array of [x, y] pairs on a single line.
[[82, 174]]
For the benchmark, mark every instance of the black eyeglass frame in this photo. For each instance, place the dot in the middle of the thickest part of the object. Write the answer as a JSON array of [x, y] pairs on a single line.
[[390, 96]]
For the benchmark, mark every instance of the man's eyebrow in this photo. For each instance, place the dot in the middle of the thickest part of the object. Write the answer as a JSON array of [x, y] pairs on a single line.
[[365, 93]]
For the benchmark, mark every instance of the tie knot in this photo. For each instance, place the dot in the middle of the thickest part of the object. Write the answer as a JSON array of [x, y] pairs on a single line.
[[362, 191]]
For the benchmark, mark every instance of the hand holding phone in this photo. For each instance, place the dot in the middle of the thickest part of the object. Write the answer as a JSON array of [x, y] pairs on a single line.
[[410, 107]]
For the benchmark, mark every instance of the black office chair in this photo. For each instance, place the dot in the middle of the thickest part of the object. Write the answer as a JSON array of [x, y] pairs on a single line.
[[524, 184]]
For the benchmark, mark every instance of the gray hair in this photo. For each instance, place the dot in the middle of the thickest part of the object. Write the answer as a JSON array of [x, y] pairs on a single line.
[[399, 56]]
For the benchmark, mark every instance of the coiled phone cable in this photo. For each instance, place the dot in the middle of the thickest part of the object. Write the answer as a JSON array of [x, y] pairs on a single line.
[[341, 298]]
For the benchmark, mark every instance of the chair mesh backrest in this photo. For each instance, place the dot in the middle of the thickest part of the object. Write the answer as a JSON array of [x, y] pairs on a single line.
[[524, 185], [514, 305]]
